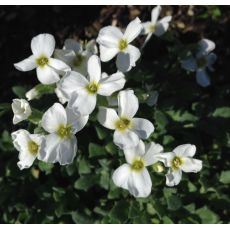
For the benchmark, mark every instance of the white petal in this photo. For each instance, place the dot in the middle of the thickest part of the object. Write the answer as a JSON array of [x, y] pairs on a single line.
[[206, 46], [139, 183], [127, 104], [106, 54], [20, 139], [155, 14], [77, 122], [59, 66], [186, 150], [67, 151], [54, 117], [27, 64], [73, 82], [125, 139], [61, 96], [109, 36], [71, 44], [25, 160], [211, 58], [66, 56], [43, 44], [82, 103], [136, 152], [134, 54], [94, 68], [50, 153], [166, 158], [107, 117], [121, 175], [123, 62], [162, 26], [133, 30], [202, 78], [111, 84], [191, 165], [173, 178], [152, 153], [142, 127], [146, 26], [91, 47], [146, 40], [189, 64], [46, 75]]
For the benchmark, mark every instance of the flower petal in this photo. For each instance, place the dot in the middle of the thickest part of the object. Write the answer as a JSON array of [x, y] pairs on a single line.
[[66, 56], [133, 30], [186, 150], [155, 14], [142, 127], [152, 154], [191, 165], [107, 117], [106, 54], [94, 68], [121, 175], [202, 78], [146, 27], [27, 64], [46, 75], [206, 46], [189, 64], [140, 183], [125, 139], [173, 178], [211, 58], [91, 47], [71, 44], [109, 36], [166, 158], [82, 103], [59, 66], [43, 44], [134, 54], [25, 160], [127, 104], [162, 26], [133, 153], [111, 84], [123, 62], [20, 139], [53, 118]]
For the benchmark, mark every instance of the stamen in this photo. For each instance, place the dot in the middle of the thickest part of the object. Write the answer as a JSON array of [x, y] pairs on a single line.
[[33, 147], [176, 162], [64, 131], [42, 61], [123, 44], [123, 123], [137, 165], [92, 87]]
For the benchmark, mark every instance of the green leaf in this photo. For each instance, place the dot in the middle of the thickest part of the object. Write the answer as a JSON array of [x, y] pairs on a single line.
[[225, 177], [45, 167], [36, 116], [19, 91], [222, 112], [86, 182], [96, 150], [207, 216], [101, 132], [84, 166], [120, 211]]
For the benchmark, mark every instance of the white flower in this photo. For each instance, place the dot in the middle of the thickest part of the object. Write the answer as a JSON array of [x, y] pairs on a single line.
[[156, 27], [62, 125], [113, 42], [133, 175], [128, 130], [75, 55], [204, 59], [29, 146], [180, 159], [82, 92], [62, 98], [48, 69], [32, 94], [21, 110]]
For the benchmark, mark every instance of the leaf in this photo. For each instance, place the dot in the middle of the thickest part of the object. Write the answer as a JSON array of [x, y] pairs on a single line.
[[36, 116], [101, 133], [86, 182], [45, 167], [96, 150], [120, 211], [207, 216], [19, 91], [222, 112], [225, 177], [84, 166]]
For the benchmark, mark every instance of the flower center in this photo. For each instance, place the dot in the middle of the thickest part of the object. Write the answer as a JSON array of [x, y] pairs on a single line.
[[33, 147], [176, 163], [64, 131], [152, 28], [201, 62], [122, 124], [92, 87], [123, 44], [42, 61], [137, 165], [78, 60]]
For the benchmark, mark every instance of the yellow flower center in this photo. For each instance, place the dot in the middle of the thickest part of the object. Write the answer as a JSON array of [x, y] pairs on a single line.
[[123, 44], [78, 60], [42, 61], [152, 28], [64, 131], [92, 87], [137, 165], [176, 163], [122, 124], [33, 147], [201, 62]]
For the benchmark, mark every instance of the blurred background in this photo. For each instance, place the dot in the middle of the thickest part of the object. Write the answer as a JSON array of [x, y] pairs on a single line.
[[184, 113]]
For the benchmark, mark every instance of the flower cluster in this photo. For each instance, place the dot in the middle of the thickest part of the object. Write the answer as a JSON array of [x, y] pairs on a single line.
[[76, 75]]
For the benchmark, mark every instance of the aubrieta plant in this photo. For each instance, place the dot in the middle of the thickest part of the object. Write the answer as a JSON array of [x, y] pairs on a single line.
[[75, 74]]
